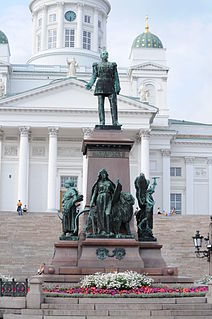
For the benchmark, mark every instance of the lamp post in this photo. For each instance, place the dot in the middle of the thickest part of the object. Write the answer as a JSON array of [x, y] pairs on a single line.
[[206, 253]]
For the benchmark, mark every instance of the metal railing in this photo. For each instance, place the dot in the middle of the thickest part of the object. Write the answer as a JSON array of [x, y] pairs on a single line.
[[13, 288]]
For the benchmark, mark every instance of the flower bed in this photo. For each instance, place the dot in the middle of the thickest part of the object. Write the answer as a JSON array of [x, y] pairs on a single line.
[[126, 285], [142, 292]]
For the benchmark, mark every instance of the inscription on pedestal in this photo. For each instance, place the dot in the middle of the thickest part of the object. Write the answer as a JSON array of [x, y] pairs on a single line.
[[107, 154]]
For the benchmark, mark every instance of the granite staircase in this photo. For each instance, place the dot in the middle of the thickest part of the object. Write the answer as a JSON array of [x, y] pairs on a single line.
[[118, 308], [28, 241]]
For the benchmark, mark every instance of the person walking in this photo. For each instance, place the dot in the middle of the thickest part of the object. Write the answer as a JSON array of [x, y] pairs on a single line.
[[19, 207]]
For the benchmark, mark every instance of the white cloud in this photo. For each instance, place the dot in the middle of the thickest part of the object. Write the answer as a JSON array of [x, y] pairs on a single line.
[[16, 23]]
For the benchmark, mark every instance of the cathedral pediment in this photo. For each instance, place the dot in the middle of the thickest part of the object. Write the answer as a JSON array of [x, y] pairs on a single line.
[[149, 67], [68, 99], [69, 94]]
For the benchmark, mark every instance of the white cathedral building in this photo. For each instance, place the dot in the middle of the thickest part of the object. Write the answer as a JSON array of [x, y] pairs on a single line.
[[45, 111]]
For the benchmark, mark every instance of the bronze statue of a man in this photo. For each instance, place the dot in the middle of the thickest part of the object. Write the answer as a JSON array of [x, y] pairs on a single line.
[[107, 86]]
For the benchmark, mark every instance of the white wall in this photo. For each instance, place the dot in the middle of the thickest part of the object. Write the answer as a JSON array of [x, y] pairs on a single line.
[[9, 186], [38, 180], [201, 199]]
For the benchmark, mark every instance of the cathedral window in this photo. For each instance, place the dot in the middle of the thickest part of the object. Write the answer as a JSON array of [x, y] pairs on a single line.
[[52, 38], [38, 42], [87, 40], [175, 171], [176, 202], [52, 18], [100, 43], [151, 94], [63, 179], [69, 38], [87, 19], [99, 24]]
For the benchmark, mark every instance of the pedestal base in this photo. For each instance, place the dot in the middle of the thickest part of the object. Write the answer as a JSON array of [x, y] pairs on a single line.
[[110, 255], [74, 259]]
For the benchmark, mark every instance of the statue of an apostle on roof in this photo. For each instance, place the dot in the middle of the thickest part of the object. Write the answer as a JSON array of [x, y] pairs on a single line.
[[107, 86]]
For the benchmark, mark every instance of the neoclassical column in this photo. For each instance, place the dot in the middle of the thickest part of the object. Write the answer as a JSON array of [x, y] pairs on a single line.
[[145, 136], [52, 170], [44, 29], [23, 165], [95, 44], [189, 185], [60, 24], [210, 185], [79, 26], [86, 132], [166, 179], [104, 29], [34, 21]]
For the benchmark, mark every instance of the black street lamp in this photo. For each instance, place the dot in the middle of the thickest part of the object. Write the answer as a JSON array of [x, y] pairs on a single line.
[[197, 239]]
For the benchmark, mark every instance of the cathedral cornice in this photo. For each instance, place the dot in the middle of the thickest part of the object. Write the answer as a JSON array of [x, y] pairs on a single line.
[[193, 142], [149, 67], [66, 110]]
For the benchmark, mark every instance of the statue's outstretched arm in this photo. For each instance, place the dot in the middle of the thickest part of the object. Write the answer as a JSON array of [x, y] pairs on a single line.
[[93, 78]]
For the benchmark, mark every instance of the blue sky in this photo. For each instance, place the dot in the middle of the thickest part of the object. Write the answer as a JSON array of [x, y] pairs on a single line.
[[184, 27]]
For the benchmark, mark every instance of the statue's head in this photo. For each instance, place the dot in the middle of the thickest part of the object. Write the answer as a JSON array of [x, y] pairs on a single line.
[[104, 55], [69, 183], [103, 174]]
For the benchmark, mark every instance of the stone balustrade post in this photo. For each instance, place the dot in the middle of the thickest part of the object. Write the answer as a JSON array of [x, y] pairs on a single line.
[[35, 296]]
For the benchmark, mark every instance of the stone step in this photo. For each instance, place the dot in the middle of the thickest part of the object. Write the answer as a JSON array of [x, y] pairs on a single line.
[[125, 316], [68, 306], [184, 300], [128, 306], [127, 310], [15, 316]]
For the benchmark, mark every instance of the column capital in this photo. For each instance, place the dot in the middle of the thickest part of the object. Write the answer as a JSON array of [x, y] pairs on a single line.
[[53, 131], [87, 131], [60, 4], [166, 152], [189, 160], [80, 4], [145, 134], [24, 131], [209, 161], [44, 7], [96, 9]]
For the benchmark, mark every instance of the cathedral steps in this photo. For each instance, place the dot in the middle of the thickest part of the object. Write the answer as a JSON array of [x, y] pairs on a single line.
[[118, 308], [28, 241]]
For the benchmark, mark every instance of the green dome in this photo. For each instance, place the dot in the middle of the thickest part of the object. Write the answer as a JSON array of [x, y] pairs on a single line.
[[3, 38], [147, 39]]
